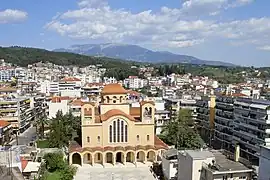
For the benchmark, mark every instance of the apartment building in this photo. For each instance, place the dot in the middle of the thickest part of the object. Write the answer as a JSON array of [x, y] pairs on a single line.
[[264, 172], [224, 122], [210, 165], [205, 117], [251, 127], [58, 103], [5, 132], [134, 82], [17, 111]]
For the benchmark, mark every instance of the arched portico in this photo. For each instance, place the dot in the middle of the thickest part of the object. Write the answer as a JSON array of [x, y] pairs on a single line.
[[130, 157], [109, 158], [98, 158], [87, 158], [120, 157], [140, 156], [76, 159], [151, 156]]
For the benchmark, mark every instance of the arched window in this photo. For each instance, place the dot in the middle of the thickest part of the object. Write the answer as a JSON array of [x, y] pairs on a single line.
[[88, 139], [110, 133], [98, 139], [121, 99], [118, 131], [138, 138], [148, 137], [150, 111], [108, 99]]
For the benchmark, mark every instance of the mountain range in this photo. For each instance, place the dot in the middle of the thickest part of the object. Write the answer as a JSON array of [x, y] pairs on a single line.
[[136, 53]]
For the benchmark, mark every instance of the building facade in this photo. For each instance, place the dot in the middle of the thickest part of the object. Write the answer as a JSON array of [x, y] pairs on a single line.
[[113, 132], [251, 127], [264, 172]]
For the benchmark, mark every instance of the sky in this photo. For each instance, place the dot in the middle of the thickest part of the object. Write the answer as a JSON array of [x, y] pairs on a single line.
[[236, 31]]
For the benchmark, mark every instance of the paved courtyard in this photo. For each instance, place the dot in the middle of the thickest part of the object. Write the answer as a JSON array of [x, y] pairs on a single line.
[[114, 173]]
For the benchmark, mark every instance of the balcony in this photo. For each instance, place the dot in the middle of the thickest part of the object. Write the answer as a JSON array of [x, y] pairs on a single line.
[[225, 107]]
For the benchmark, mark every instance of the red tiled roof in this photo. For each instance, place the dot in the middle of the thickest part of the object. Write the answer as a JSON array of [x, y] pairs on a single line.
[[146, 102], [4, 123], [23, 163], [135, 111], [113, 89], [70, 79], [159, 143], [60, 98]]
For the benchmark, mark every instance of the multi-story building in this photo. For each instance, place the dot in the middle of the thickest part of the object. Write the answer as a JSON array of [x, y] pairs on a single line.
[[224, 122], [251, 127], [205, 117], [210, 165], [70, 86], [17, 111], [264, 172], [115, 133], [134, 82], [58, 103]]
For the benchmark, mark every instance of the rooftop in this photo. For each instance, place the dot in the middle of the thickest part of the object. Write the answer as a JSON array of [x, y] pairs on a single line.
[[113, 89]]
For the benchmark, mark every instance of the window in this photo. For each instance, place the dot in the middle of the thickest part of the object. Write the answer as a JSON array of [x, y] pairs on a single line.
[[148, 137], [114, 131], [138, 137], [88, 157], [118, 131], [122, 131], [126, 133], [98, 139], [88, 139], [110, 133]]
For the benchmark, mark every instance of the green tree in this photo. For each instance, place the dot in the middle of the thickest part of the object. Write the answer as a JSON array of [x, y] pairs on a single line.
[[58, 137], [67, 173], [180, 132], [40, 124], [54, 161]]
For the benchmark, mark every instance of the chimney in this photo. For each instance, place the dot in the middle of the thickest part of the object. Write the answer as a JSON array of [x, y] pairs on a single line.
[[237, 153]]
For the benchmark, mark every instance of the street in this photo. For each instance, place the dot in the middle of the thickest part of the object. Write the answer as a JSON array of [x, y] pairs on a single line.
[[26, 137]]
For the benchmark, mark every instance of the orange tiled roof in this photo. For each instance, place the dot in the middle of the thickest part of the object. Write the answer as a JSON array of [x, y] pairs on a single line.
[[4, 123], [23, 163], [147, 102], [70, 79], [7, 89], [60, 98], [159, 143], [133, 93], [135, 111], [113, 89], [93, 84], [114, 112]]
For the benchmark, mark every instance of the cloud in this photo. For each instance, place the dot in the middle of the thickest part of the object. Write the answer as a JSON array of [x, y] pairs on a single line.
[[265, 48], [12, 16], [168, 27]]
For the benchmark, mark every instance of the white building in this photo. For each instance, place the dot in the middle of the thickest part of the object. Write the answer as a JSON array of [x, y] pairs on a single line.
[[169, 164], [133, 82], [58, 104], [264, 168], [210, 165]]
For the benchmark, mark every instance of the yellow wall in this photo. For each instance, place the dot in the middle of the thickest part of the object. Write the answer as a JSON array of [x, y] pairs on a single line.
[[212, 111], [102, 130], [106, 107]]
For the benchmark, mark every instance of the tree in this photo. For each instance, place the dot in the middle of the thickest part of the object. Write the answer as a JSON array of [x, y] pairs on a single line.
[[67, 173], [180, 132], [62, 129], [58, 136], [40, 123], [54, 161]]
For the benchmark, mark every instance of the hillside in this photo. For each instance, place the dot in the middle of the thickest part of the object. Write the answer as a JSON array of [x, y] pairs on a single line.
[[137, 53], [23, 56]]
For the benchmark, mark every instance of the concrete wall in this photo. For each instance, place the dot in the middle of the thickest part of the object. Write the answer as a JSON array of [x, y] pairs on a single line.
[[168, 167]]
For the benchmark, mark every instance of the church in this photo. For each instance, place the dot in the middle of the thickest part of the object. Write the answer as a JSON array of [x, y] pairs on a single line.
[[114, 133]]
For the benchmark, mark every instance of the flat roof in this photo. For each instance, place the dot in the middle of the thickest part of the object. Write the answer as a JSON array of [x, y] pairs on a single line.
[[198, 154], [222, 163]]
